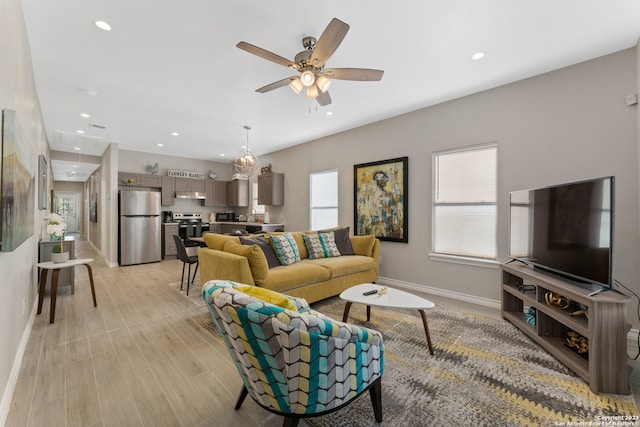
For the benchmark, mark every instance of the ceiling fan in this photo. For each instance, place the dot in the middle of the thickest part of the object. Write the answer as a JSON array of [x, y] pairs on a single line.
[[310, 64]]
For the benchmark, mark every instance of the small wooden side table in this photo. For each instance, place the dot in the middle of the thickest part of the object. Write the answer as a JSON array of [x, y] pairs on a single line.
[[56, 267]]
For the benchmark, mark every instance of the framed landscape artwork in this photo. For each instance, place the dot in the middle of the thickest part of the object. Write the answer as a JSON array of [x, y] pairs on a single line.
[[381, 205], [18, 185]]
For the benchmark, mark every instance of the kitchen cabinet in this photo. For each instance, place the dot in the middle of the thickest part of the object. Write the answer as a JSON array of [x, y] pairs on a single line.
[[238, 193], [151, 180], [125, 178], [271, 189], [216, 193], [168, 191], [169, 249], [66, 282], [189, 184], [139, 180]]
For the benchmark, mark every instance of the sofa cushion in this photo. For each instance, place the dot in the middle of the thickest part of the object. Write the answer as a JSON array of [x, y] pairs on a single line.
[[269, 296], [255, 256], [295, 275], [217, 241], [321, 245], [263, 244], [344, 265], [341, 236], [285, 248], [363, 245]]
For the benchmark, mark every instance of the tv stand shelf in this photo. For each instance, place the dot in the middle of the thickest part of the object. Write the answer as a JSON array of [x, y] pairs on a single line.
[[605, 327]]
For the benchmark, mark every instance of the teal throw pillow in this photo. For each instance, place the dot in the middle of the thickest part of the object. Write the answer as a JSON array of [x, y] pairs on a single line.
[[285, 248]]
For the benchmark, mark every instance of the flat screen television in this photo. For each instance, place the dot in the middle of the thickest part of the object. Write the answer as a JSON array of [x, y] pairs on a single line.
[[566, 229]]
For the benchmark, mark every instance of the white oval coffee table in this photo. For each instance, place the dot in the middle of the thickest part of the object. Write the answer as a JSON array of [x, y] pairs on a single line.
[[393, 298]]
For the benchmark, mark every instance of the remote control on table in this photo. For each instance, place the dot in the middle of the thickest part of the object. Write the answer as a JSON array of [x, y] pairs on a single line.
[[370, 292]]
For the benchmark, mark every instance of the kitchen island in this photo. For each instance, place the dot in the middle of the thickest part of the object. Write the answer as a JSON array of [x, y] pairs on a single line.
[[226, 227]]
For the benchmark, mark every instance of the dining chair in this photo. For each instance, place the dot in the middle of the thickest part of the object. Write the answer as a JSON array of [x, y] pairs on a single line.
[[186, 259]]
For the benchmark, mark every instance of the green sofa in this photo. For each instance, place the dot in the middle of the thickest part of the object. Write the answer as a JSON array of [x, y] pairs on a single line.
[[225, 258]]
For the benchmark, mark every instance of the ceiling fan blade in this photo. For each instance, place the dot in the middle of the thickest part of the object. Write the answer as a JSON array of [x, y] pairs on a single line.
[[275, 85], [323, 98], [265, 54], [360, 74], [329, 42]]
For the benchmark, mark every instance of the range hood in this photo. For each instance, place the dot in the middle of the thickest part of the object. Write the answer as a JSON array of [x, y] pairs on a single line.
[[190, 195]]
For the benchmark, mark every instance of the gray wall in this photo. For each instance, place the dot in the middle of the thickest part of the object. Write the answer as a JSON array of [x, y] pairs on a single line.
[[18, 268], [567, 125]]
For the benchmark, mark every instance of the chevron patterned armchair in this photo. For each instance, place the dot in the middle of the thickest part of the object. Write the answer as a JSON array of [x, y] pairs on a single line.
[[294, 361]]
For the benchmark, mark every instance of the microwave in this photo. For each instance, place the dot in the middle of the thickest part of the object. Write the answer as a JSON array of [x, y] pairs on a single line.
[[225, 217]]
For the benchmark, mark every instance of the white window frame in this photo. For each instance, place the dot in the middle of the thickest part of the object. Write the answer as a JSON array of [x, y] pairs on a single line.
[[463, 258], [255, 207], [313, 208]]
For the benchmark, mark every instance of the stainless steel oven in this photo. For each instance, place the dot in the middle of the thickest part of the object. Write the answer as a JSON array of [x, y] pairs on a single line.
[[190, 225]]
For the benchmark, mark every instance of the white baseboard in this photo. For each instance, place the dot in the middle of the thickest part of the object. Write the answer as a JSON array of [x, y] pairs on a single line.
[[485, 302], [7, 395]]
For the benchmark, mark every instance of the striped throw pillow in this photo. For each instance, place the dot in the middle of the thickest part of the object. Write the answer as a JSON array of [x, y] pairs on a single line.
[[321, 245], [285, 248]]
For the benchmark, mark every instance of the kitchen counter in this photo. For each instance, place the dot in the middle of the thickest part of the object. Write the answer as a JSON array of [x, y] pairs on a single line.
[[246, 223]]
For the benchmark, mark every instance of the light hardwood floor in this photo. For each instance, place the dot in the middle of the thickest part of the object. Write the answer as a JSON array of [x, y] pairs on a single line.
[[135, 360]]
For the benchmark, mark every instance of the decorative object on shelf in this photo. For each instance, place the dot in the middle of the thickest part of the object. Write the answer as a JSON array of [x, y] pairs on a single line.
[[578, 343], [582, 310], [382, 291], [530, 316], [212, 174], [246, 164], [556, 300], [128, 181], [381, 204], [56, 226], [265, 169], [525, 288], [153, 169]]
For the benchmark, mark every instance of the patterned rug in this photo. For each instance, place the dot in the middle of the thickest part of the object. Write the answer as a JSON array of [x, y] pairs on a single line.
[[484, 372]]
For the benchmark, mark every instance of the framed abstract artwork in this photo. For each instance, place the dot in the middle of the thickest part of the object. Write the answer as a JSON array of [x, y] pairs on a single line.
[[381, 204], [18, 185], [43, 183]]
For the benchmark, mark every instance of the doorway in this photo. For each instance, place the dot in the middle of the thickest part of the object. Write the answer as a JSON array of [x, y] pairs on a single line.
[[67, 204]]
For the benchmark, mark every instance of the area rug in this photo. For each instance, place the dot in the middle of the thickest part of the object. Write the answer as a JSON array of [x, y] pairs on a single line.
[[484, 372]]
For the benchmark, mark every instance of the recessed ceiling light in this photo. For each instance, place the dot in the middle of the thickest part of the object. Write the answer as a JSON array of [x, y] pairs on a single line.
[[329, 113], [103, 25], [75, 166], [477, 55], [222, 155], [85, 115], [79, 131], [160, 145], [174, 134], [76, 148]]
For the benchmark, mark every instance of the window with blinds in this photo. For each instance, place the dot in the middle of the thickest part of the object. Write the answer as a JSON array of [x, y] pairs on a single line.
[[324, 199], [465, 202]]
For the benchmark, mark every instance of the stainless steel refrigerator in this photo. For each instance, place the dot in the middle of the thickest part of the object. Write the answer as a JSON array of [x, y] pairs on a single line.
[[139, 227]]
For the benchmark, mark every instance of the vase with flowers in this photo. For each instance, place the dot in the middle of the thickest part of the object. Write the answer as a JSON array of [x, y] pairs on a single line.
[[56, 226]]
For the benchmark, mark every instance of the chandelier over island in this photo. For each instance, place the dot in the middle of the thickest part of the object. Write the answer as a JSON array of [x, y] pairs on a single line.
[[246, 164]]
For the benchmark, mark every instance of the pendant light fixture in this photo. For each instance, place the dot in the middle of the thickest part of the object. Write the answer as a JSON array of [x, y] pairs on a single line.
[[246, 164]]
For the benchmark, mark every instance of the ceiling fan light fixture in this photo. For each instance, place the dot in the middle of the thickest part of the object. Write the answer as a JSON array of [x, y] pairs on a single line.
[[312, 91], [308, 78], [323, 83], [296, 85]]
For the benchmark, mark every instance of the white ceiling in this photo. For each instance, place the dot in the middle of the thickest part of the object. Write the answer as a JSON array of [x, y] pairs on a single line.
[[171, 66]]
